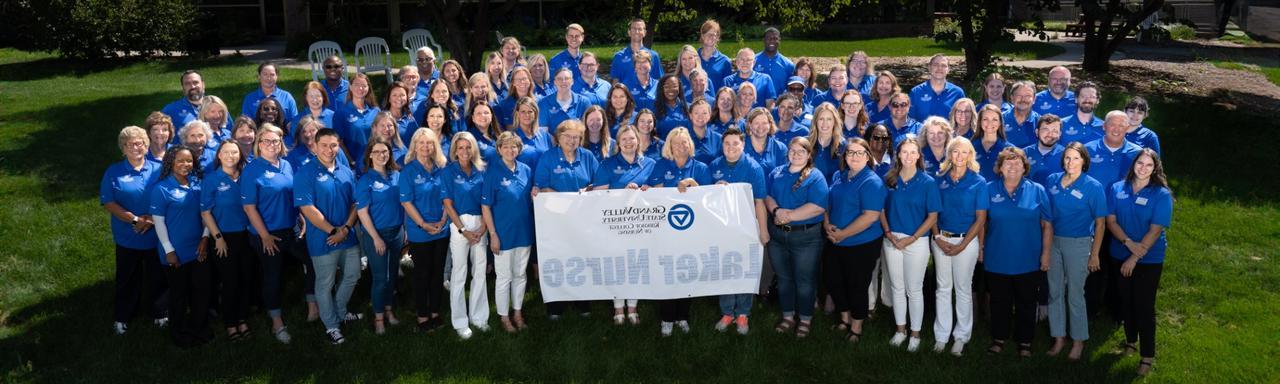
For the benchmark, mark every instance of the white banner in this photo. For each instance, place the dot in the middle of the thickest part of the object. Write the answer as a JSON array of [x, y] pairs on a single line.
[[655, 244]]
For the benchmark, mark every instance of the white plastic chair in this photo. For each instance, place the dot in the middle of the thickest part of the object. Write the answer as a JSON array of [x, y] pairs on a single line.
[[373, 54], [318, 52], [418, 38]]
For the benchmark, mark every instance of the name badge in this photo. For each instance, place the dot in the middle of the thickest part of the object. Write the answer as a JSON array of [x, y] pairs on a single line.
[[1140, 201], [1077, 194]]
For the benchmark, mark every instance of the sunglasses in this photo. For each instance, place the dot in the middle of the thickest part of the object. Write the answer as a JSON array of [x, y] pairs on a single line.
[[333, 66], [880, 138], [898, 105]]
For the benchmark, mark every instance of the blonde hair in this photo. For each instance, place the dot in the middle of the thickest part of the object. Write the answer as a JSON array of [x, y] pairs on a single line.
[[477, 161], [960, 143], [697, 64], [677, 133], [973, 119], [757, 112], [471, 98], [132, 132], [546, 73], [575, 27], [211, 100], [437, 160], [269, 128], [567, 126], [395, 135], [934, 121], [837, 131]]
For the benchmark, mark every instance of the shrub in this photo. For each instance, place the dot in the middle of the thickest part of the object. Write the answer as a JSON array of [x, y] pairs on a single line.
[[1180, 31], [99, 28]]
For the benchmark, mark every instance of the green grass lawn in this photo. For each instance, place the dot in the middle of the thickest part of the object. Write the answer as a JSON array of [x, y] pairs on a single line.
[[1272, 72], [1216, 311]]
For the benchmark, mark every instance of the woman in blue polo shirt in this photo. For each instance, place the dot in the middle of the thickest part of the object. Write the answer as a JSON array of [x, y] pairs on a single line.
[[621, 108], [1079, 209], [935, 134], [1141, 208], [963, 194], [828, 144], [422, 196], [568, 169], [597, 138], [564, 104], [650, 144], [123, 194], [224, 217], [266, 192], [881, 148], [669, 105], [677, 169], [796, 201], [725, 113], [706, 140], [910, 211], [989, 140], [401, 108], [535, 137], [437, 118], [521, 87], [381, 228], [733, 167], [627, 169], [1019, 234], [484, 126], [354, 119], [464, 187], [316, 106], [507, 208], [852, 225], [761, 144], [175, 207], [384, 129]]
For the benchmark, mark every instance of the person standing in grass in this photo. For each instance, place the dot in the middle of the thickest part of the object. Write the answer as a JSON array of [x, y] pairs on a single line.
[[354, 120], [910, 211], [796, 202], [123, 193], [464, 187], [507, 208], [733, 167], [677, 169], [175, 207], [629, 168], [715, 63], [1079, 207], [224, 217], [422, 196], [1058, 99], [745, 72], [187, 108], [955, 243], [771, 62], [1137, 133], [381, 228], [1017, 242], [324, 193], [620, 69], [853, 227], [568, 169], [572, 54], [1140, 209]]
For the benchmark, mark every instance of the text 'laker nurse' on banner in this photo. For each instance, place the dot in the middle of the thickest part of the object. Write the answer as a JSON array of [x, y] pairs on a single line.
[[655, 244]]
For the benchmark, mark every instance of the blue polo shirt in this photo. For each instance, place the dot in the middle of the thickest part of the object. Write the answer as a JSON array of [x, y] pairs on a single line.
[[325, 118], [925, 102], [381, 195], [505, 112], [654, 151], [220, 196], [534, 146], [463, 189], [597, 93], [564, 59], [499, 88], [1046, 103], [1043, 164], [332, 192], [182, 112], [338, 94], [796, 130], [877, 114], [354, 127], [823, 159], [987, 158], [130, 189], [1014, 238], [717, 67], [615, 172], [300, 156], [1135, 212], [1107, 165], [622, 68], [745, 170], [1005, 107], [644, 96], [555, 172], [1076, 206], [709, 95], [617, 124], [932, 163], [865, 86], [910, 128], [673, 117], [287, 104], [763, 83], [270, 189], [406, 126], [707, 148], [506, 193], [425, 189], [773, 155], [961, 200], [1073, 129], [1144, 137], [813, 189], [180, 207], [1021, 134], [778, 67], [910, 202], [667, 174], [850, 197]]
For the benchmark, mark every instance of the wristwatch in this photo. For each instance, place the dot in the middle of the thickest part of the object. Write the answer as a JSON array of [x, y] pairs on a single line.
[[333, 231], [217, 236]]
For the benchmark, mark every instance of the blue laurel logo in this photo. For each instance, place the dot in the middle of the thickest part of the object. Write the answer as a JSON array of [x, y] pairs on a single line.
[[680, 217]]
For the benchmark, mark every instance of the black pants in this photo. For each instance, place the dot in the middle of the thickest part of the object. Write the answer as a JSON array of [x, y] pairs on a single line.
[[848, 275], [1013, 296], [556, 308], [428, 275], [1100, 286], [235, 271], [135, 269], [289, 246], [189, 302], [1138, 295], [674, 310]]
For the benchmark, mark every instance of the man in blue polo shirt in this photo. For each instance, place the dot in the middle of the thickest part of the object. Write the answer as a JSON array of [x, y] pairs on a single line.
[[1082, 125], [267, 89], [1111, 155], [621, 68], [186, 109], [324, 192], [1045, 156], [935, 96], [571, 55], [335, 81], [773, 63], [1058, 99], [425, 60], [745, 63], [1020, 122]]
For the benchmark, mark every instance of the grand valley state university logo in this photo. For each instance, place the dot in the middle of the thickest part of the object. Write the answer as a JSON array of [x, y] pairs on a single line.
[[632, 220], [680, 217]]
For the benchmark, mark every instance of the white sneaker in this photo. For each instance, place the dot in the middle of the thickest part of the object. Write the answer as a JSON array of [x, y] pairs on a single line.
[[684, 326], [940, 346], [483, 327], [913, 345], [335, 336], [667, 328], [161, 322], [353, 316], [957, 349], [120, 328], [364, 263], [282, 335], [898, 338], [464, 333]]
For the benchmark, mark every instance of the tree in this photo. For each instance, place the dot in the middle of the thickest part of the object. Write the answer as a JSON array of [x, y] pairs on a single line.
[[981, 24], [467, 46], [1102, 34], [93, 29]]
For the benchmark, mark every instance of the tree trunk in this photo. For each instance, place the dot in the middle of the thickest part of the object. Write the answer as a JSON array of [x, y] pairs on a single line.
[[978, 44], [465, 46], [1101, 40], [651, 23]]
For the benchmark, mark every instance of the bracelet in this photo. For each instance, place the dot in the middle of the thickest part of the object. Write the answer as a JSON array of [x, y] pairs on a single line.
[[217, 236], [333, 231], [774, 211]]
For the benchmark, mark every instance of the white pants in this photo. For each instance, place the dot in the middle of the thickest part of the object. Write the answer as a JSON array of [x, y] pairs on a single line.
[[954, 272], [618, 303], [510, 266], [878, 284], [462, 310], [906, 279]]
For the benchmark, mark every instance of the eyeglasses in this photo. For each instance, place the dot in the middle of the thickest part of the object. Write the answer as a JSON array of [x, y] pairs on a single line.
[[333, 66], [879, 138], [380, 152], [135, 144], [856, 153], [852, 104], [426, 59], [270, 141], [899, 105], [270, 109]]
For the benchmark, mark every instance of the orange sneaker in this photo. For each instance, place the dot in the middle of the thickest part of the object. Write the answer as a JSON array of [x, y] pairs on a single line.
[[724, 322]]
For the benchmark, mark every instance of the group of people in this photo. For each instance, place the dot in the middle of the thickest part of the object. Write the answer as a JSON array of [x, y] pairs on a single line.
[[858, 186]]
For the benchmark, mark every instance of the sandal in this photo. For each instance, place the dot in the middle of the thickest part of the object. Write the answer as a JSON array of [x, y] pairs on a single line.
[[507, 326], [852, 337], [518, 321], [1144, 366], [1024, 350], [234, 336], [1128, 348], [379, 327], [784, 325], [634, 318], [841, 326], [802, 330], [997, 346]]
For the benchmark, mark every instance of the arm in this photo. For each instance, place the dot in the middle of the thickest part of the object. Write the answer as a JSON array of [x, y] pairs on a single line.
[[366, 222], [929, 221], [412, 212], [318, 220], [761, 222], [1046, 242], [162, 233], [805, 212], [980, 218], [1096, 248], [486, 213], [211, 226]]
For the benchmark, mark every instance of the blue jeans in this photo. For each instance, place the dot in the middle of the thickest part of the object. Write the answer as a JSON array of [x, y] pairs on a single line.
[[1068, 268], [735, 305], [795, 257], [384, 267], [333, 306]]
